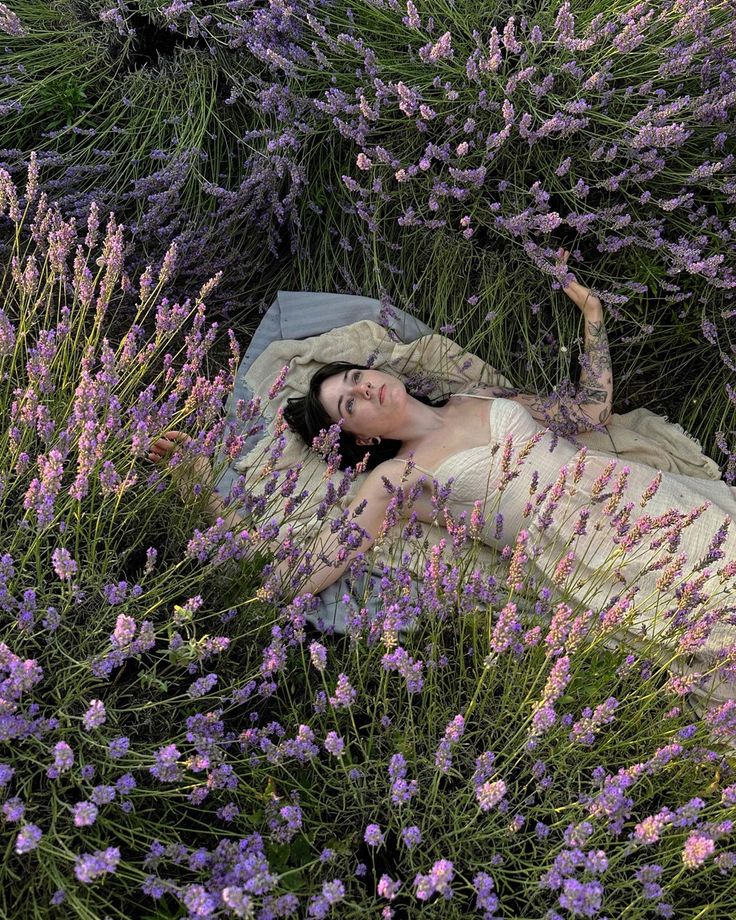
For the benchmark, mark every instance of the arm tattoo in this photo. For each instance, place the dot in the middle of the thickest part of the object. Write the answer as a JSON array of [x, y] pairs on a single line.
[[596, 378]]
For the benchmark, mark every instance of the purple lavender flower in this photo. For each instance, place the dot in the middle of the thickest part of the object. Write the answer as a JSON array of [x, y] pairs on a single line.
[[95, 715], [90, 866], [13, 809], [581, 897], [165, 769], [63, 759], [6, 774], [373, 835], [29, 837], [202, 685], [103, 795], [411, 836], [118, 747], [85, 814], [485, 899], [344, 693], [318, 655]]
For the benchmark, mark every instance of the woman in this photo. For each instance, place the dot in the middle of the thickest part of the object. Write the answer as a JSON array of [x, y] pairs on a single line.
[[612, 540]]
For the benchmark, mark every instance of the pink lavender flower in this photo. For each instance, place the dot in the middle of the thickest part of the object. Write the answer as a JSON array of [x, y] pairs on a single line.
[[125, 629], [373, 835], [510, 42], [721, 721], [455, 729], [344, 693], [506, 629], [95, 715], [412, 17], [29, 837], [279, 382], [318, 655], [64, 566], [85, 814], [698, 847], [388, 888], [489, 794], [440, 50], [334, 744], [649, 830], [436, 882]]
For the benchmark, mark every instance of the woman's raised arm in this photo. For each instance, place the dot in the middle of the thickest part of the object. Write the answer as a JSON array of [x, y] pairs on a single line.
[[596, 377]]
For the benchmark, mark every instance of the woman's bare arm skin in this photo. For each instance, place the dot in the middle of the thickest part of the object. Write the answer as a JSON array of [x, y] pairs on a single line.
[[368, 510], [596, 377]]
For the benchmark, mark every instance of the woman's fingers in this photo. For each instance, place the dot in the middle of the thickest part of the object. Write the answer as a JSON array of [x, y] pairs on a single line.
[[166, 444]]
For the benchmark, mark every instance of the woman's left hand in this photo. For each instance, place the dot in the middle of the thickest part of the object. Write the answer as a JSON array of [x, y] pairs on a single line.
[[191, 471], [581, 296]]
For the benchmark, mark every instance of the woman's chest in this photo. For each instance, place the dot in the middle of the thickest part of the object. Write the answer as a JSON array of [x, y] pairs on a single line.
[[467, 425]]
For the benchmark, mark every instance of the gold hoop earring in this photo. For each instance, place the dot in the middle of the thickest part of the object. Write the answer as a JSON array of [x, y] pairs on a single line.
[[377, 440]]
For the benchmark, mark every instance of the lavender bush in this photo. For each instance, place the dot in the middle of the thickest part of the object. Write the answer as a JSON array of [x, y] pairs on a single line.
[[175, 745]]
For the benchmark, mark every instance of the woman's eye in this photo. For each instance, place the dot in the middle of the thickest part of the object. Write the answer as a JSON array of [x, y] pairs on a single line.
[[356, 374]]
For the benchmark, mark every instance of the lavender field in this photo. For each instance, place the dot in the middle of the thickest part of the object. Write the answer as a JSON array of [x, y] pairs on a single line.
[[176, 740]]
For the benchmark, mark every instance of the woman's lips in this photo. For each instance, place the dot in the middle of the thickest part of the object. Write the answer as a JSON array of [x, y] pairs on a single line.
[[381, 394]]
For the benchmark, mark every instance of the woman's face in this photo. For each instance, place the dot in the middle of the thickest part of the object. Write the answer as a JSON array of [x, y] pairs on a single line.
[[367, 400]]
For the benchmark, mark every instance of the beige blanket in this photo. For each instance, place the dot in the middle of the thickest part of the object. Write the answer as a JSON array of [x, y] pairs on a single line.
[[639, 435]]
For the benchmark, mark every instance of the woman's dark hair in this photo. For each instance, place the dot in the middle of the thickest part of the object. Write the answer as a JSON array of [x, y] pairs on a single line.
[[306, 416]]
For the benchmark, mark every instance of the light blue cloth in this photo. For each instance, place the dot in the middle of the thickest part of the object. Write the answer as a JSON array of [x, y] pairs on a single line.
[[301, 315]]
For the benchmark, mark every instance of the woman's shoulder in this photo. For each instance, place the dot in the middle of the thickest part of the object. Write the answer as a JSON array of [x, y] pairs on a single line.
[[396, 471]]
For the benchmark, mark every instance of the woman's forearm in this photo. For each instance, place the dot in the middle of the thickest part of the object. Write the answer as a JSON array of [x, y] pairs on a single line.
[[323, 575], [596, 377], [216, 508]]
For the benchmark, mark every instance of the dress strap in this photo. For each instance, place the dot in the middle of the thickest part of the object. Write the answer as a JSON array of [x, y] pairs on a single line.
[[474, 395], [416, 465]]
